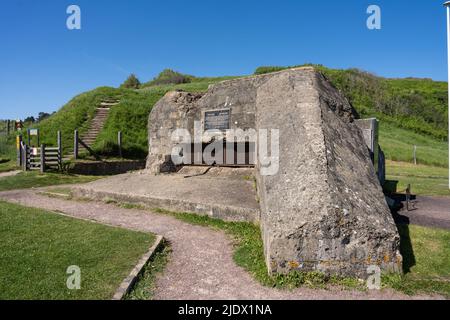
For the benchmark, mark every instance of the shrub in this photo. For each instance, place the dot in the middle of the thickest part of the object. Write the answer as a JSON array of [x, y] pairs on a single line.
[[132, 82], [414, 104], [169, 76]]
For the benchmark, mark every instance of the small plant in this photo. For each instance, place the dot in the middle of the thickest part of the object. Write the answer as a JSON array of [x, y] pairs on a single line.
[[132, 82], [169, 76], [108, 200], [145, 285]]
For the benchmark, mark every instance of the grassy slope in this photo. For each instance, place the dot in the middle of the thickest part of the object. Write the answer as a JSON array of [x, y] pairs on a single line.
[[131, 117], [7, 166], [37, 247], [424, 180], [418, 106], [398, 145], [426, 253], [412, 112], [76, 114], [27, 180], [7, 153]]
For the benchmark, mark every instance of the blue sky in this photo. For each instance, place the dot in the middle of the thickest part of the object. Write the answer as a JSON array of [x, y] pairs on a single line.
[[43, 64]]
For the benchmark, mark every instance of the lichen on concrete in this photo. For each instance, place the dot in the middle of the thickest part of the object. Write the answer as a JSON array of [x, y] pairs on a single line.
[[324, 209]]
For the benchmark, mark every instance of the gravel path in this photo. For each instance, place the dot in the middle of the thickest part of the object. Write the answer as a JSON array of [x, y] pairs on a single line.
[[428, 212], [201, 264], [9, 173]]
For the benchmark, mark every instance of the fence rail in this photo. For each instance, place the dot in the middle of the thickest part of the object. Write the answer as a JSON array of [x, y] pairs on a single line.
[[7, 127], [42, 158]]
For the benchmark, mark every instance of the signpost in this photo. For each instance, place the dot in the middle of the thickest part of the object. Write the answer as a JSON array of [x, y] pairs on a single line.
[[217, 120], [33, 133], [447, 5], [19, 150]]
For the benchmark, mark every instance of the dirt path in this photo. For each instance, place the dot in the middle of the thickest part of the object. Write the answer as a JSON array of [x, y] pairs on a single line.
[[201, 265], [9, 173], [428, 212]]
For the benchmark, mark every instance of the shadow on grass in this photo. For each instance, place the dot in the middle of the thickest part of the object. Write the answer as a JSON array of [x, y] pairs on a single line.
[[406, 248]]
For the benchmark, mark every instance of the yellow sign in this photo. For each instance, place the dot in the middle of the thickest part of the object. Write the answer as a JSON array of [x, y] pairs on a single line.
[[18, 142]]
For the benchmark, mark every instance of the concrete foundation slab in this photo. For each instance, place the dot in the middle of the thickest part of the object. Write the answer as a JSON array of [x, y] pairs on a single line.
[[225, 193]]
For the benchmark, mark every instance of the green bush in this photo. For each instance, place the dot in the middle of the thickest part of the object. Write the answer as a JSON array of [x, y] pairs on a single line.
[[169, 76], [132, 82], [7, 147], [76, 114], [265, 69], [419, 105]]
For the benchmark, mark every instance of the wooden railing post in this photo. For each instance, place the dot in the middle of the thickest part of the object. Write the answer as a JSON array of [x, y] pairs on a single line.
[[119, 143], [8, 123], [59, 150], [42, 158], [24, 157], [19, 150], [75, 145]]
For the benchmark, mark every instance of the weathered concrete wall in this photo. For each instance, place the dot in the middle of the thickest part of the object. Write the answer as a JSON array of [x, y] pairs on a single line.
[[181, 109], [105, 168], [324, 209], [370, 130]]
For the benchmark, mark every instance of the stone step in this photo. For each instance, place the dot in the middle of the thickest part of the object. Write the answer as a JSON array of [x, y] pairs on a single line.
[[97, 123]]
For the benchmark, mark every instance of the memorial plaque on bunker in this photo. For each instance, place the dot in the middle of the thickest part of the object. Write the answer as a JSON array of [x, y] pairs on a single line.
[[322, 208], [217, 120]]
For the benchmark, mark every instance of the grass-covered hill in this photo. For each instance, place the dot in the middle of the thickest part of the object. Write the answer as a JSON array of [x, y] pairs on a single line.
[[412, 112], [130, 116]]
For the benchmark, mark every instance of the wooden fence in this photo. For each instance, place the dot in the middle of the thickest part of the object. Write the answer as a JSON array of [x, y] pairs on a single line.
[[41, 158], [7, 127]]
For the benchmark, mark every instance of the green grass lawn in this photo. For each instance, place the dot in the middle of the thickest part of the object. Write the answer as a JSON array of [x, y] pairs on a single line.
[[398, 145], [37, 247], [144, 287], [7, 165], [424, 180], [25, 180], [426, 255], [249, 254]]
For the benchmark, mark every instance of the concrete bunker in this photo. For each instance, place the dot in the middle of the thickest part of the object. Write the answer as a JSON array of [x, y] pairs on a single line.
[[322, 208]]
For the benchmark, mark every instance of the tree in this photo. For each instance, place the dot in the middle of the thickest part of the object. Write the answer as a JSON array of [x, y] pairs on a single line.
[[42, 116], [169, 76], [30, 119], [132, 82]]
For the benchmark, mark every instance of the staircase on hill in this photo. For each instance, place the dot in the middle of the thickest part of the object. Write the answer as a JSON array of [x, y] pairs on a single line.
[[97, 124]]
